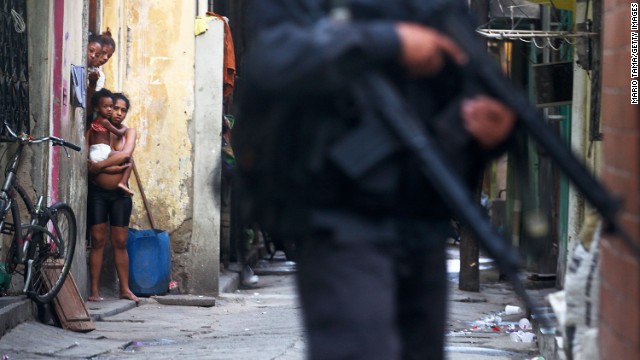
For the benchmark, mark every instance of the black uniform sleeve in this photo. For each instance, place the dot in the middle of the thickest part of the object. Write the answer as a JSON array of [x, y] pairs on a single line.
[[295, 50]]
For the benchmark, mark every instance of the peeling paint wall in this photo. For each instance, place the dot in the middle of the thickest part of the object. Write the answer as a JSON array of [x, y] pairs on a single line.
[[154, 65]]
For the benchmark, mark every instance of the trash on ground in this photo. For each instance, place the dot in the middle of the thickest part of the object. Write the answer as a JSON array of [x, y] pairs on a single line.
[[522, 336], [174, 288], [512, 309], [525, 324]]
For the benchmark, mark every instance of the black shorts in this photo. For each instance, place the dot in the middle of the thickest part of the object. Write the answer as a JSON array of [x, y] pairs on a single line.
[[108, 205]]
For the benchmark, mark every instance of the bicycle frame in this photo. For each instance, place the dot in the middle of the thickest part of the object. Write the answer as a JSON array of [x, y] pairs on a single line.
[[7, 197]]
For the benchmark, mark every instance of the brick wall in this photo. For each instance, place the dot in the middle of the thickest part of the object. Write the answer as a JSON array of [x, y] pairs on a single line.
[[620, 287]]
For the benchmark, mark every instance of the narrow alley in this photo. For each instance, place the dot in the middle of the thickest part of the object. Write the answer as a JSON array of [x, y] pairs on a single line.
[[343, 135], [262, 322]]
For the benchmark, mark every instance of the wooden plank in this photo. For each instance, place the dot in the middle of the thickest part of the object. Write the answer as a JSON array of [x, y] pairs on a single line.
[[68, 304]]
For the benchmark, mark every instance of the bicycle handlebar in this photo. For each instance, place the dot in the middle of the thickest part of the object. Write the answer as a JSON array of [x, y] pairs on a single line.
[[54, 140], [26, 138], [71, 146]]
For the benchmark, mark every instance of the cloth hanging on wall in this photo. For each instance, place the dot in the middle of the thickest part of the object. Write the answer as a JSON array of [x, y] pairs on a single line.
[[229, 56]]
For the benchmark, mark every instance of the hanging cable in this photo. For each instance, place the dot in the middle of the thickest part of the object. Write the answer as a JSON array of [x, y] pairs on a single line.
[[535, 43], [551, 45]]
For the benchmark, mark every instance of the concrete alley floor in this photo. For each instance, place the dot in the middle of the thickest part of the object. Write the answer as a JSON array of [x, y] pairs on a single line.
[[258, 323]]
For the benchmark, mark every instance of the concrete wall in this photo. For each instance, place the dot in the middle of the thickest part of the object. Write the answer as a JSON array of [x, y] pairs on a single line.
[[155, 65], [205, 242], [619, 327], [589, 151]]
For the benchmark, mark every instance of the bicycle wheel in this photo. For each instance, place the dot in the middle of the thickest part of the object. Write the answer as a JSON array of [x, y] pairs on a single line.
[[54, 242]]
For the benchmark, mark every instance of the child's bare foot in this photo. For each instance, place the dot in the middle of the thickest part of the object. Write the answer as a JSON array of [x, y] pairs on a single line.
[[128, 295], [126, 189]]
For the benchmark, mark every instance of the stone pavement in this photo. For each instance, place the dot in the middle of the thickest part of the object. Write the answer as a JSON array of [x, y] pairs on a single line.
[[258, 323]]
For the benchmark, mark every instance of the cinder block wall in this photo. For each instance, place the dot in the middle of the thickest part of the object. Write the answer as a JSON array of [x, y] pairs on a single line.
[[619, 329]]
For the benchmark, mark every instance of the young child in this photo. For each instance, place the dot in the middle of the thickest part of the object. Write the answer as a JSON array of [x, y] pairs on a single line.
[[100, 132], [94, 75], [120, 110], [108, 47], [94, 56], [94, 51]]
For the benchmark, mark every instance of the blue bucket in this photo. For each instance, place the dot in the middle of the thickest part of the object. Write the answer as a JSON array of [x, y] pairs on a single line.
[[149, 261]]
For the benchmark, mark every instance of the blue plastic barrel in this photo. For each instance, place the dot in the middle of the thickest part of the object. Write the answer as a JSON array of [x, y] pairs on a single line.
[[149, 261]]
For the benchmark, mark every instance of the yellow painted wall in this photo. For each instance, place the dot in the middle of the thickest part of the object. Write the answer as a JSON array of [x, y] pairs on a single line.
[[154, 66]]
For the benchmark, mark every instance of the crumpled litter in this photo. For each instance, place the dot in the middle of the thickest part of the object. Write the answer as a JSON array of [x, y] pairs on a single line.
[[525, 324], [522, 336]]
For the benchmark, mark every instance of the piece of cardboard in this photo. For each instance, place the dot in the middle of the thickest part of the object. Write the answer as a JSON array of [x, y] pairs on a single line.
[[68, 304]]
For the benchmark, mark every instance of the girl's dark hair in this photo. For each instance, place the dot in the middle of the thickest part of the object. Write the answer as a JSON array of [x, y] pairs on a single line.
[[95, 38], [107, 39], [102, 93], [123, 97]]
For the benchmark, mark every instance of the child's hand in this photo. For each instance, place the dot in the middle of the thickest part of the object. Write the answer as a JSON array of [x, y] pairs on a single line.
[[93, 77], [93, 168]]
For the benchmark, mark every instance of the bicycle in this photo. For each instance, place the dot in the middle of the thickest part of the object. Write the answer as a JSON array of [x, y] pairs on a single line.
[[43, 249]]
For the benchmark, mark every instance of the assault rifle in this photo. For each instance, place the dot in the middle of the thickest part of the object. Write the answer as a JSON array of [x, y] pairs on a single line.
[[484, 73], [390, 124]]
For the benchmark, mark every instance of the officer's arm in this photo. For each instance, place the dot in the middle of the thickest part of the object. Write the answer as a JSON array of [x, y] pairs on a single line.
[[294, 50]]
